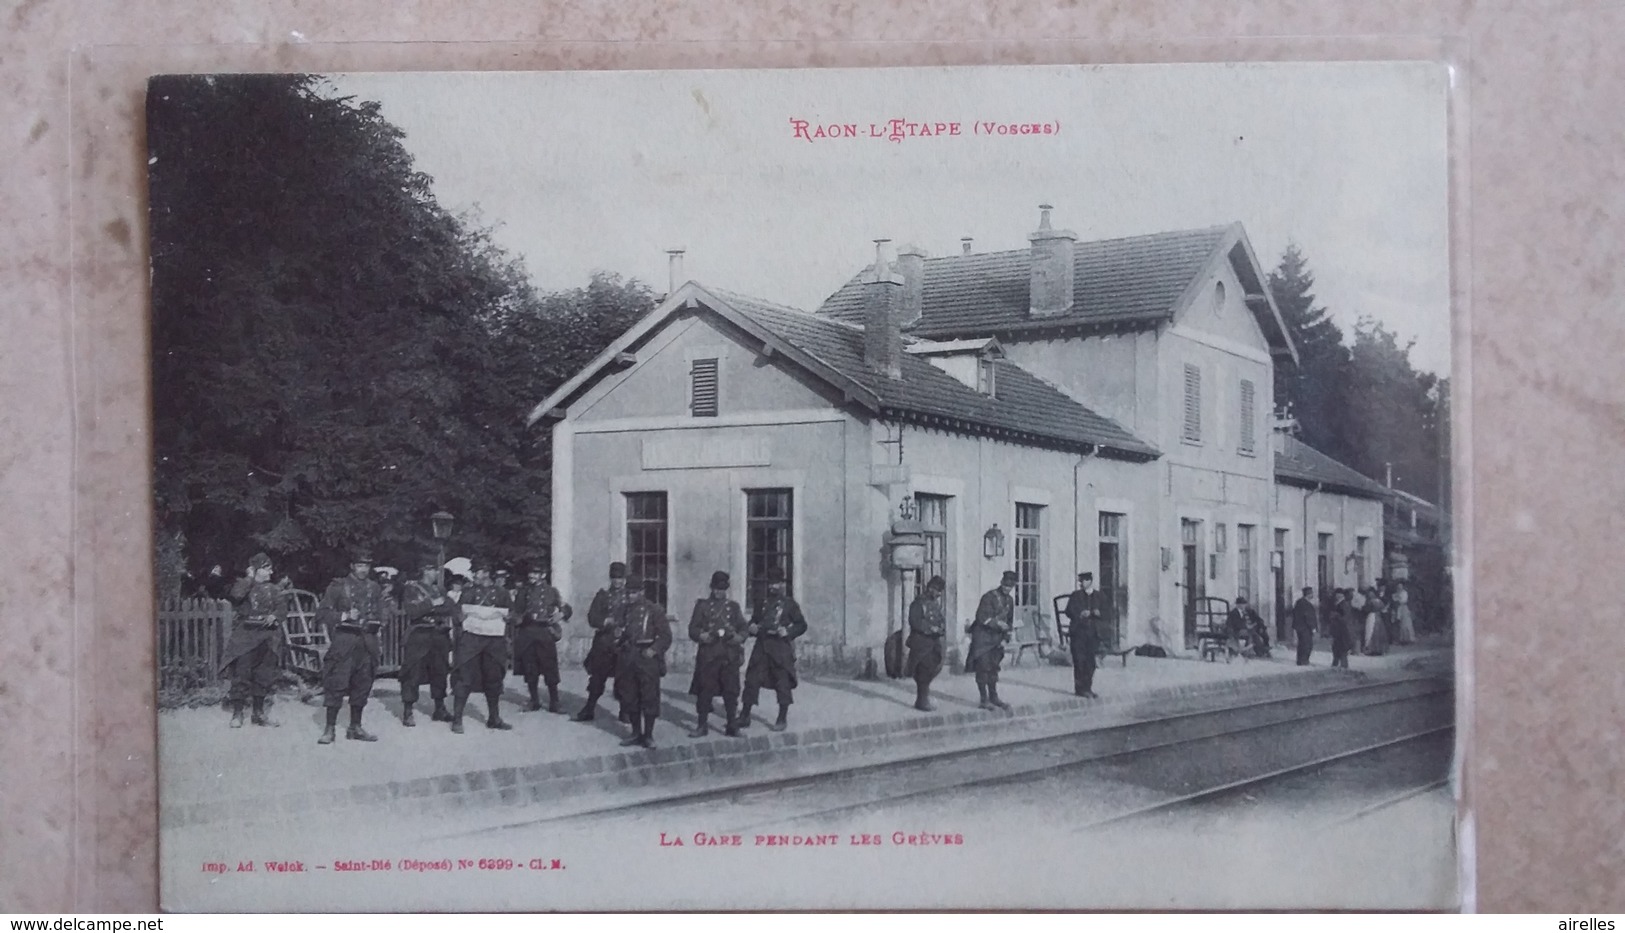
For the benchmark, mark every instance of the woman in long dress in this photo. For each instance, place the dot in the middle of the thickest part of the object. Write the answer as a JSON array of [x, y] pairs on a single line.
[[1402, 614], [1376, 633]]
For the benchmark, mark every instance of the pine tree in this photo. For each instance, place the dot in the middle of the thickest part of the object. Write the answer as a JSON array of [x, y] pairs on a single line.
[[1315, 391]]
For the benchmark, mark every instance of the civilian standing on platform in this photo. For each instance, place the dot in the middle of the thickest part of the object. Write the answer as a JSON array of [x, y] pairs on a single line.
[[995, 617], [1376, 629], [1083, 634], [927, 630], [718, 626], [353, 610], [1304, 622], [1402, 615], [430, 616], [602, 617], [776, 623], [1357, 606], [480, 659], [541, 612], [251, 655], [644, 636]]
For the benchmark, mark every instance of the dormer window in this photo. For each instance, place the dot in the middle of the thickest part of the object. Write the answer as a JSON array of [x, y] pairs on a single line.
[[987, 371]]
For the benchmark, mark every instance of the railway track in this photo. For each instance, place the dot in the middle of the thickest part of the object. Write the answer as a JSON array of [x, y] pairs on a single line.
[[1136, 769]]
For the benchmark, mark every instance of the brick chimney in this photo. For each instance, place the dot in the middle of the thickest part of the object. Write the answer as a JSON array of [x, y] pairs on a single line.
[[911, 265], [675, 268], [1051, 282], [882, 335], [965, 245]]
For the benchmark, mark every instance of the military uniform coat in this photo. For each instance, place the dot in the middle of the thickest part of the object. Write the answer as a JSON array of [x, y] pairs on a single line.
[[481, 661], [603, 616], [773, 659], [260, 609], [540, 611], [643, 629], [995, 617], [718, 627], [353, 609], [927, 631], [427, 654]]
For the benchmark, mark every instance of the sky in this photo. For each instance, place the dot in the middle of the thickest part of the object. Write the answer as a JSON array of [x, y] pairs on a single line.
[[587, 171]]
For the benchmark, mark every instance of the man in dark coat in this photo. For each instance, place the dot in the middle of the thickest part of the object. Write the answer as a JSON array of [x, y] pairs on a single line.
[[251, 655], [927, 630], [1305, 620], [602, 617], [1248, 634], [353, 610], [431, 615], [642, 640], [718, 627], [1342, 624], [776, 623], [995, 617], [480, 648], [1083, 610], [541, 612]]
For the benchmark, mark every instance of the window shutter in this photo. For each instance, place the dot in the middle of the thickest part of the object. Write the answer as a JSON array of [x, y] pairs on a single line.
[[1193, 403], [1247, 409], [703, 396]]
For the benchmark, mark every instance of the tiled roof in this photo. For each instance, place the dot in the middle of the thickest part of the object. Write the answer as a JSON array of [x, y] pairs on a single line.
[[1301, 465], [1134, 280], [1023, 404]]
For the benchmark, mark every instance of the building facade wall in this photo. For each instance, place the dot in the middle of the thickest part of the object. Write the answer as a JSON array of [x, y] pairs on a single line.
[[1347, 519]]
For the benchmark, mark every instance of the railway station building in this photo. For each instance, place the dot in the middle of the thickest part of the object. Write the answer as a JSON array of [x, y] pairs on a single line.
[[1066, 406]]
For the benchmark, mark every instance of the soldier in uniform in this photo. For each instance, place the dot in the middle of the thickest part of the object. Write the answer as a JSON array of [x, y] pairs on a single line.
[[776, 623], [541, 612], [718, 626], [353, 609], [431, 615], [995, 617], [927, 630], [602, 616], [1083, 616], [642, 639], [480, 649], [256, 637]]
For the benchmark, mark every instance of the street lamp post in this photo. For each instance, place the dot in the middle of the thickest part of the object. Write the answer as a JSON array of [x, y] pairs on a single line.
[[441, 524]]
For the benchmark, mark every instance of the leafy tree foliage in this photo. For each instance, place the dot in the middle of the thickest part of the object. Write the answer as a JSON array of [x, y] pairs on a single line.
[[335, 356], [1362, 401]]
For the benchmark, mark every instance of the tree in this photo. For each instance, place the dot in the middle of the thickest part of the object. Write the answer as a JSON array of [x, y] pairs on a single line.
[[332, 350], [1315, 390]]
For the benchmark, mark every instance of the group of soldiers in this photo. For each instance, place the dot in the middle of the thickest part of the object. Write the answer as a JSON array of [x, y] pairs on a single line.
[[461, 638]]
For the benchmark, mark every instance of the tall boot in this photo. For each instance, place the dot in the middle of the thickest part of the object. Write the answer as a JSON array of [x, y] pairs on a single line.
[[704, 728], [731, 706], [409, 709], [355, 731], [237, 714], [648, 740], [783, 722], [493, 718], [535, 694], [331, 727], [636, 738], [922, 697], [993, 697], [744, 717], [458, 703], [441, 714], [981, 690], [589, 711], [261, 718], [552, 698]]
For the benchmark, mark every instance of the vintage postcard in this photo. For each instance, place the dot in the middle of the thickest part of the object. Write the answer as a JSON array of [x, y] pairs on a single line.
[[963, 488]]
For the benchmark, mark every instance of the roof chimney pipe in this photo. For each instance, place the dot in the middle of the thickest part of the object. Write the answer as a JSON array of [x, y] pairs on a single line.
[[675, 268], [882, 332], [911, 266], [964, 245], [1052, 281]]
